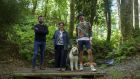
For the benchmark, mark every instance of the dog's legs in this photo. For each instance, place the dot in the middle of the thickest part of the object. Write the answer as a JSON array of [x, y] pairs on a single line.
[[71, 65], [76, 63]]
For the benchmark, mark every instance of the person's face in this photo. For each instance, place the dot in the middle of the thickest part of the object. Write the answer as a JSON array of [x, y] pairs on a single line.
[[41, 20], [81, 18], [61, 26]]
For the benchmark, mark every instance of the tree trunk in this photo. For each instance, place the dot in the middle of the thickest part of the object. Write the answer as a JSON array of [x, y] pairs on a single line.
[[119, 15], [72, 14], [136, 14], [108, 19], [34, 2], [126, 19], [93, 11]]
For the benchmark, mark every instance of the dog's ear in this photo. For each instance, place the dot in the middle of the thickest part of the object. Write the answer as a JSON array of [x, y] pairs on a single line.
[[72, 45], [76, 46]]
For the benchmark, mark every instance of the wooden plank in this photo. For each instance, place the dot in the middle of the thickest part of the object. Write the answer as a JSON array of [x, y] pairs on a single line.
[[52, 72]]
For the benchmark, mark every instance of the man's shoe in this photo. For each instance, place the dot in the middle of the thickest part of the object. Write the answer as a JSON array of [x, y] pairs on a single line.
[[81, 67], [33, 69], [92, 68], [42, 68]]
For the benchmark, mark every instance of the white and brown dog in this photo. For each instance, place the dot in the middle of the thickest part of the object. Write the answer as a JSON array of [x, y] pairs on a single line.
[[73, 57]]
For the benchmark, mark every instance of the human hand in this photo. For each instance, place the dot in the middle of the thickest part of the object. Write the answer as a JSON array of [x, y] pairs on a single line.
[[91, 42]]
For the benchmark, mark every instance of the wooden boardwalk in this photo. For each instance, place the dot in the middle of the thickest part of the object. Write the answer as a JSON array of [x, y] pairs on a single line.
[[52, 72]]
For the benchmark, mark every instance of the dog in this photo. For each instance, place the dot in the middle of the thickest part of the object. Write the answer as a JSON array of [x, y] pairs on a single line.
[[87, 64], [73, 57]]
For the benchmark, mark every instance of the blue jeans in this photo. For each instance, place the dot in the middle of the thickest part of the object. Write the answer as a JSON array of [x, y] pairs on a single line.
[[42, 46]]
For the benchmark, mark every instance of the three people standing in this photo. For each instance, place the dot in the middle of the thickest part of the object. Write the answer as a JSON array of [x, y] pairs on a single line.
[[61, 42]]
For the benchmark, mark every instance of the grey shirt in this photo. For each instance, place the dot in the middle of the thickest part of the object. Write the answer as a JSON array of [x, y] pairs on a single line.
[[84, 30]]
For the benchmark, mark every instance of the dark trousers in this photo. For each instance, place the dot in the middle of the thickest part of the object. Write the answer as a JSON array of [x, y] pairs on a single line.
[[37, 46], [60, 56]]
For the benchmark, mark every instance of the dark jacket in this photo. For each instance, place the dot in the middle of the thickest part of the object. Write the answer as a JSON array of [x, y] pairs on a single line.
[[40, 32], [65, 38]]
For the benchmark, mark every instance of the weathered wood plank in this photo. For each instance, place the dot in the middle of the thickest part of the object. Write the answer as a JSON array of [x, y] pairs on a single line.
[[52, 72]]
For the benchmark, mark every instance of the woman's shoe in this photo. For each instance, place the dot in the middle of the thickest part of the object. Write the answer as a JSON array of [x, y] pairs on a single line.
[[59, 69], [63, 69]]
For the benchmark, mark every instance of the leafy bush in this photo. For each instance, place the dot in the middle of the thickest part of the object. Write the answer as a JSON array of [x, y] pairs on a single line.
[[101, 48], [25, 38], [115, 49], [123, 50]]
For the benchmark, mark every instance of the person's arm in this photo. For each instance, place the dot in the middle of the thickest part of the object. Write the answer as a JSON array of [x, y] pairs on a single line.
[[76, 31], [37, 29], [89, 32], [45, 30]]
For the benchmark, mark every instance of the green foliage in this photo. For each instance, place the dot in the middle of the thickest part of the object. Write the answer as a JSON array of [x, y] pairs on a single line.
[[101, 48], [55, 11], [11, 12], [115, 49], [100, 18], [124, 50], [88, 7], [50, 45], [25, 37]]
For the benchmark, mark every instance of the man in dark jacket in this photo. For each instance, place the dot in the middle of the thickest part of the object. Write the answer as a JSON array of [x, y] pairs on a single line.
[[40, 30]]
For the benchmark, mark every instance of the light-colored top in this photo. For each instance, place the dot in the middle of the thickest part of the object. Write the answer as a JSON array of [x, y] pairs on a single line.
[[60, 38], [84, 31]]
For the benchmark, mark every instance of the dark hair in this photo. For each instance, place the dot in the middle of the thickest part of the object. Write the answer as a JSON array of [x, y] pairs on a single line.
[[40, 16], [80, 14], [61, 23]]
